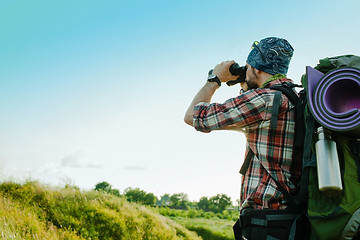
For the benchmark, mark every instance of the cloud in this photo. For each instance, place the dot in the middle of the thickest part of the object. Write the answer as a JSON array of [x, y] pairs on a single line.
[[134, 168], [93, 165], [73, 160]]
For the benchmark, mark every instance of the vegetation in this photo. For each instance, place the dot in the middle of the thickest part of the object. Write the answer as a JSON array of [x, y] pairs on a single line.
[[215, 204], [140, 196], [209, 229], [33, 211], [194, 213], [106, 187], [210, 218], [208, 225]]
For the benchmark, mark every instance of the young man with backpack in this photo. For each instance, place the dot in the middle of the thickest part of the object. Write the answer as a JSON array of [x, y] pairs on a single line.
[[272, 165]]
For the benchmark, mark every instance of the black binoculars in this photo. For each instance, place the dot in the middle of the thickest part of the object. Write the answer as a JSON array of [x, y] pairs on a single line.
[[236, 70]]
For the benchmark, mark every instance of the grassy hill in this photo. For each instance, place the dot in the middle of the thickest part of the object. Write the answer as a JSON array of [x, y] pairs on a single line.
[[35, 211]]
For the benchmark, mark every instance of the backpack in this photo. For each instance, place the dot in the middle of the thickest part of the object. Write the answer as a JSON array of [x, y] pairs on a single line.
[[330, 99], [333, 101]]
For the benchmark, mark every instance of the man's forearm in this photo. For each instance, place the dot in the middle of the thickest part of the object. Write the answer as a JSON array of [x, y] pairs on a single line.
[[204, 95]]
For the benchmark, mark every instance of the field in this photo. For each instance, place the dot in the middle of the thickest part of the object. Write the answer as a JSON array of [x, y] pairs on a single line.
[[208, 225], [209, 229]]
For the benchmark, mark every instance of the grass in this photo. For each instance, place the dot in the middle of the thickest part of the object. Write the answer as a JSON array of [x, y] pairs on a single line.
[[208, 225], [35, 211], [209, 229]]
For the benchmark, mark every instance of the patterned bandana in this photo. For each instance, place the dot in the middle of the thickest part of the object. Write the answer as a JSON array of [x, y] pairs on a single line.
[[271, 55]]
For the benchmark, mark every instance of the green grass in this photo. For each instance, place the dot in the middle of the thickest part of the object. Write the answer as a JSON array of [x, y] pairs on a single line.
[[209, 229], [194, 213], [35, 211], [208, 225]]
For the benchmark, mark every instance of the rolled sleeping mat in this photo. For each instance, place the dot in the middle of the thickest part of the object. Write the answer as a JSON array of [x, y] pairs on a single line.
[[334, 99]]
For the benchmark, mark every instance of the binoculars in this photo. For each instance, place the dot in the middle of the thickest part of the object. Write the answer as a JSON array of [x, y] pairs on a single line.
[[236, 70]]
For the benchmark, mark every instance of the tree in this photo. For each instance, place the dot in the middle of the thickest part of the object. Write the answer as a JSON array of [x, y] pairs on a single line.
[[106, 187], [115, 192], [204, 204], [179, 200], [134, 195], [150, 199], [219, 203], [140, 196], [103, 186]]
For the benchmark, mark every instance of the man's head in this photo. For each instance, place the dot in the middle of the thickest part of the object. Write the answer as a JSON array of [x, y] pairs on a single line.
[[268, 57], [271, 55]]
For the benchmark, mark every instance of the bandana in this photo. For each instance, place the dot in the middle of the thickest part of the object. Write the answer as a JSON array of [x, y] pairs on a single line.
[[271, 55]]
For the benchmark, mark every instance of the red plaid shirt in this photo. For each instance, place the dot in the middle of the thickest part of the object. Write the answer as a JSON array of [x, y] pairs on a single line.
[[274, 155]]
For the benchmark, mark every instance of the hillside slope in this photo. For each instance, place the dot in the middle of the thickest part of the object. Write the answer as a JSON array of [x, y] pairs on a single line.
[[35, 211]]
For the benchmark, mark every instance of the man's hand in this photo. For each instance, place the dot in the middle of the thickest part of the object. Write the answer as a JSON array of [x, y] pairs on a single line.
[[244, 86], [222, 71], [207, 91]]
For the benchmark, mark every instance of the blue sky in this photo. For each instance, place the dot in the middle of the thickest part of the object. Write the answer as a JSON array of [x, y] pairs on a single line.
[[96, 91]]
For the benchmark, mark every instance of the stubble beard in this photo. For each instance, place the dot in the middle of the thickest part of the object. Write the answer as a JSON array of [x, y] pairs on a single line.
[[251, 83]]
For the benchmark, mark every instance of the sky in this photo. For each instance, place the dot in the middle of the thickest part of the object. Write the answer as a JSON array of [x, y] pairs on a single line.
[[94, 91]]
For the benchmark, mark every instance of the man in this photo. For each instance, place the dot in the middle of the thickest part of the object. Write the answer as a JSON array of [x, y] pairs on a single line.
[[269, 149]]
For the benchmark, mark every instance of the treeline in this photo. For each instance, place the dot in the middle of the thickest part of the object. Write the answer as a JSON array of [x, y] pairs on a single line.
[[215, 204]]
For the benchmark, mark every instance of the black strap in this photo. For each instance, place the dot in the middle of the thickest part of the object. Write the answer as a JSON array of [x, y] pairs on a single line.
[[291, 204], [275, 110], [283, 217], [308, 159], [237, 230], [300, 229], [288, 197], [299, 103], [355, 149], [274, 117], [266, 223], [287, 90], [247, 160]]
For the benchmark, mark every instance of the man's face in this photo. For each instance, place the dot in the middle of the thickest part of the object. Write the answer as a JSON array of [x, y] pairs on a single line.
[[251, 79]]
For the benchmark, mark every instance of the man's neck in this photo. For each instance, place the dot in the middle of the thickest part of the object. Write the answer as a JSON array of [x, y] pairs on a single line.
[[273, 78], [263, 77]]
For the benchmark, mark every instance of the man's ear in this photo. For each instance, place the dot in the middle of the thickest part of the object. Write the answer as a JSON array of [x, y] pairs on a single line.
[[262, 73], [258, 72]]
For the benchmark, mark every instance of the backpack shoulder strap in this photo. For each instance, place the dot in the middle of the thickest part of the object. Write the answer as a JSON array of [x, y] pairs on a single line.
[[299, 101], [247, 160], [287, 89]]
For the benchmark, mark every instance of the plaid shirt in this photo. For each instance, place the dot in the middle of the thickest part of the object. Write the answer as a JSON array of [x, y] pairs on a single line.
[[273, 150]]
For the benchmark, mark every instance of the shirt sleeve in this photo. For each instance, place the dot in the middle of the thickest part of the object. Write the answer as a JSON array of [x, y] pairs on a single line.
[[246, 109]]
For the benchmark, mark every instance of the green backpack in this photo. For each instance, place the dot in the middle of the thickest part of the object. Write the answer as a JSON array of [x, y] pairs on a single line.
[[336, 217], [318, 216]]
